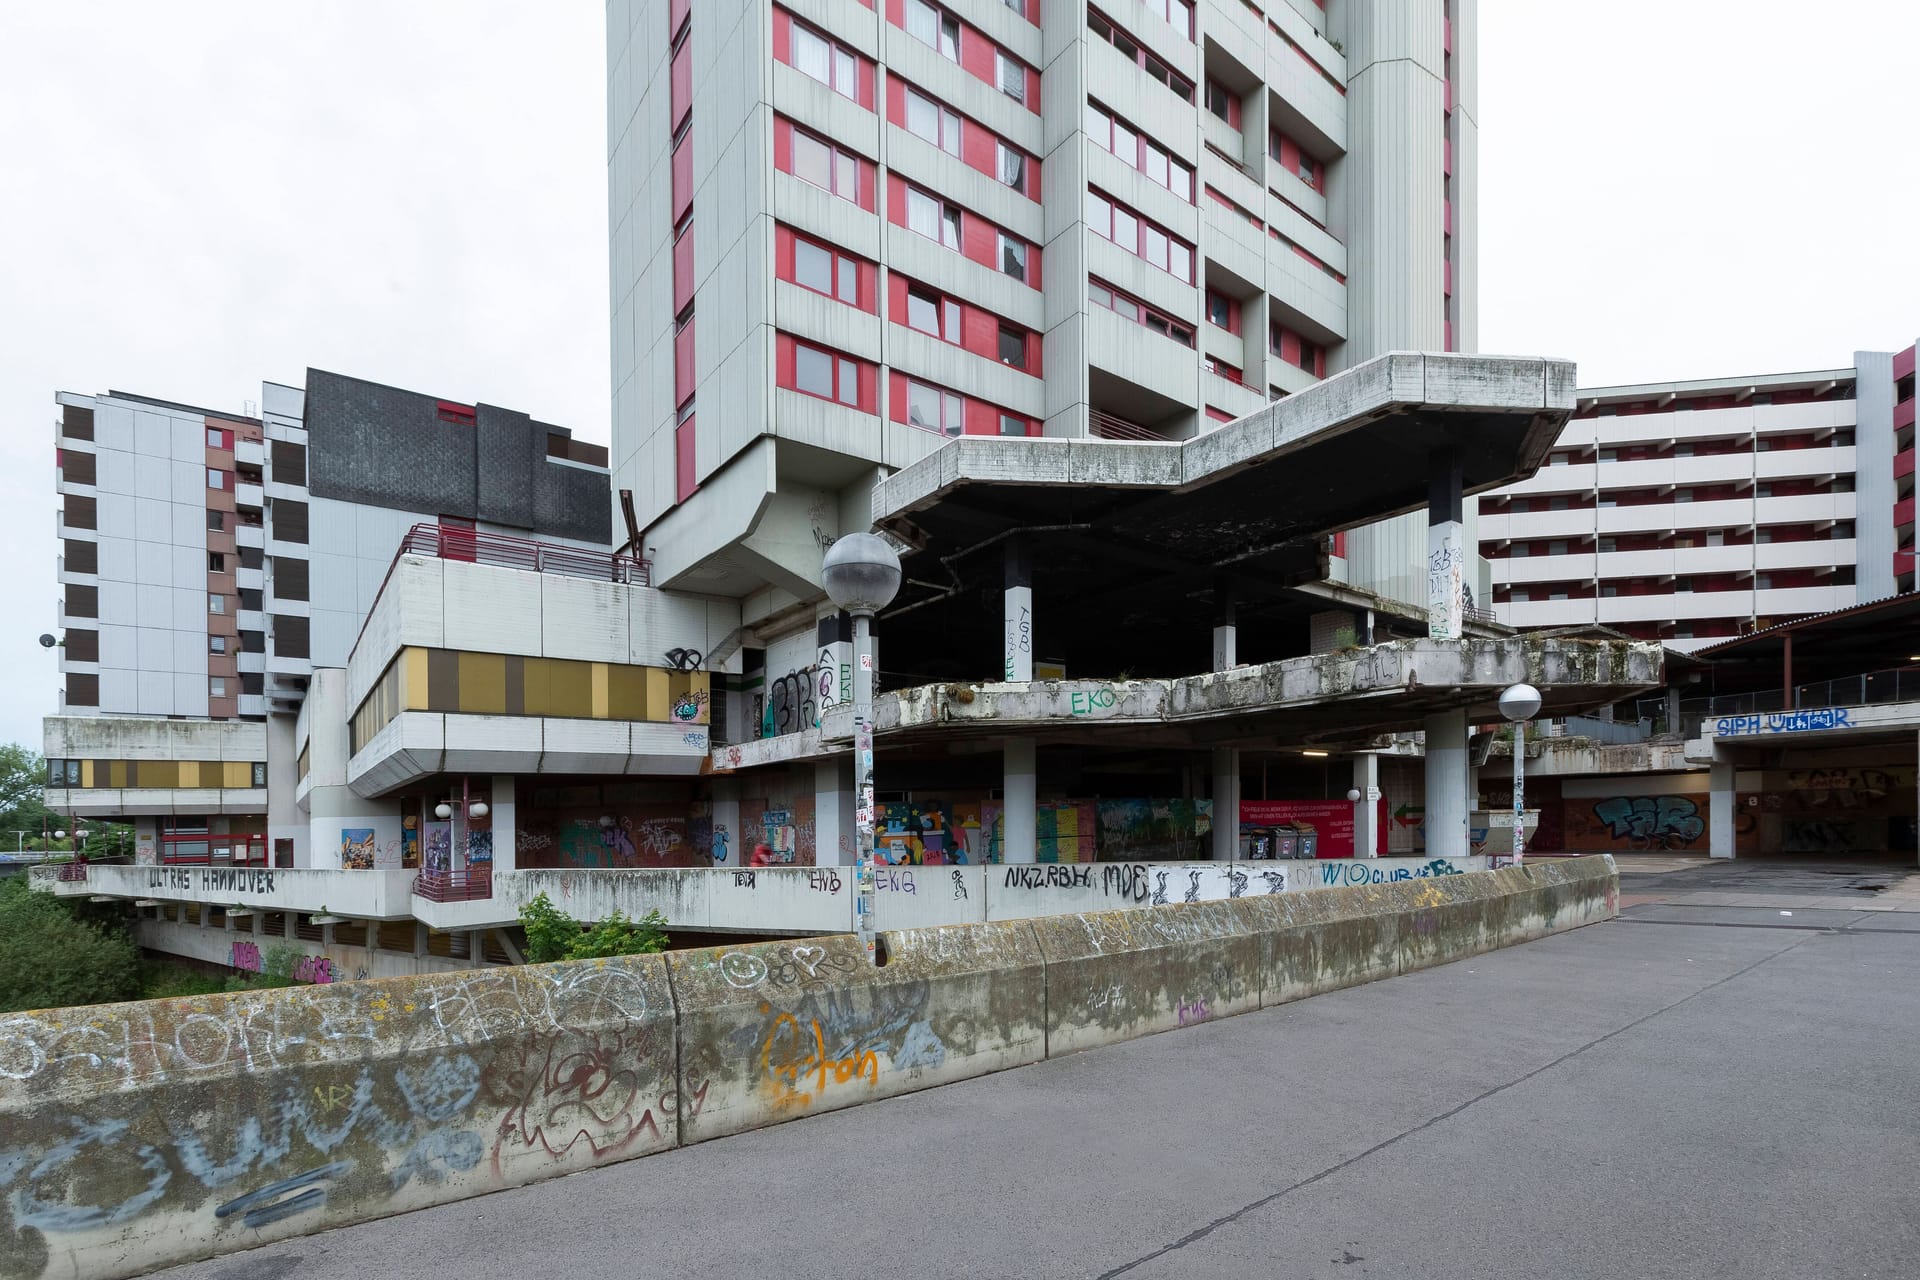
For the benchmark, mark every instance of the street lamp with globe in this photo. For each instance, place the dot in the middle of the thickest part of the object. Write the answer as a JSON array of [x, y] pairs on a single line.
[[861, 573], [1519, 703], [1354, 798]]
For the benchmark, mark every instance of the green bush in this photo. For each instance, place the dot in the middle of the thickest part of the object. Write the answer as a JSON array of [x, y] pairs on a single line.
[[554, 935], [50, 958]]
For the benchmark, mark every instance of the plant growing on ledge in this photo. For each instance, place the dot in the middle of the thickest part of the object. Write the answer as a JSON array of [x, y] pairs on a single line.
[[552, 934]]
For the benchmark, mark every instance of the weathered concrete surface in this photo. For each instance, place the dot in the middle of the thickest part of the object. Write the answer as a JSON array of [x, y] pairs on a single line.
[[141, 1134], [134, 1135], [1115, 975], [776, 1031]]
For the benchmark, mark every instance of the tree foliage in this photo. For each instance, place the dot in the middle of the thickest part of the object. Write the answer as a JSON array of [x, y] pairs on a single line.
[[554, 935], [23, 774], [51, 958]]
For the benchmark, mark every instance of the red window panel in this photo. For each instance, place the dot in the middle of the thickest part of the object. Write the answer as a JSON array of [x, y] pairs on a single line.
[[1295, 160], [683, 367], [826, 374], [814, 264], [1298, 351], [684, 438], [816, 160], [459, 414], [683, 270], [683, 177], [963, 324], [681, 77], [1219, 415], [1340, 544], [1903, 363]]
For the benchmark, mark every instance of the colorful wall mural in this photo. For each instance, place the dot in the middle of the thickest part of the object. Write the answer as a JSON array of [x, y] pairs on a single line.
[[357, 848]]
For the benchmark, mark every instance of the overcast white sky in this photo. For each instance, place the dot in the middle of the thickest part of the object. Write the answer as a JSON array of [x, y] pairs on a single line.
[[196, 196]]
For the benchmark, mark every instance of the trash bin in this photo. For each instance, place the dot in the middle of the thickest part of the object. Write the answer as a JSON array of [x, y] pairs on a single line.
[[1257, 844], [1285, 841], [1309, 840]]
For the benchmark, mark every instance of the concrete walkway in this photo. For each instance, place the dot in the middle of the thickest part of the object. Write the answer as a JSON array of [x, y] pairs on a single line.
[[1690, 1091]]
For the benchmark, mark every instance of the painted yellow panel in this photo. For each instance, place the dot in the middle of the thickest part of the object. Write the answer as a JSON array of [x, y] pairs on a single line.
[[413, 679], [116, 773], [599, 691], [570, 688], [483, 683], [86, 773], [659, 694], [190, 773], [238, 773], [627, 693]]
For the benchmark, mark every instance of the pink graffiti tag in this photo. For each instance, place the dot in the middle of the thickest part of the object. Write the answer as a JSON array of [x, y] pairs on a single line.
[[246, 955]]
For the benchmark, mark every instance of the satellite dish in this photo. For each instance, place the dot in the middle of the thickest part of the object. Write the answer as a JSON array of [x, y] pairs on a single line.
[[47, 641]]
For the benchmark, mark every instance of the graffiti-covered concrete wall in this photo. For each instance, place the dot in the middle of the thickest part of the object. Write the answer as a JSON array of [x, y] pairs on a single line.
[[137, 1135]]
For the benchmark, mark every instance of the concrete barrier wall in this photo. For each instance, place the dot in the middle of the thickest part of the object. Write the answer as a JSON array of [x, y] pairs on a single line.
[[135, 1136]]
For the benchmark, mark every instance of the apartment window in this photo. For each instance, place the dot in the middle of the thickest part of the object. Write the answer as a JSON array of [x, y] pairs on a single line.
[[1764, 581], [1763, 537], [826, 166], [1683, 584], [1130, 49], [1842, 529], [1764, 489], [1556, 595], [820, 269], [259, 774], [217, 521], [1842, 484], [1609, 591], [1012, 167], [929, 120], [216, 438], [216, 644], [1683, 451], [216, 562], [1521, 551], [932, 218], [222, 480], [1716, 539], [1139, 312], [1013, 347], [1131, 148], [819, 372], [825, 61], [1219, 311], [1520, 596], [930, 313], [1218, 100], [1556, 504], [932, 409], [217, 687], [1558, 547], [1139, 237], [216, 603], [1013, 257], [932, 27], [1609, 544], [1179, 13], [1012, 426], [1011, 75]]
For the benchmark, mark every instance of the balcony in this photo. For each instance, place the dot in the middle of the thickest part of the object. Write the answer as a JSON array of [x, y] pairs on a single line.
[[1577, 567], [1574, 477], [1833, 460], [1664, 517], [1815, 553], [1804, 508], [249, 535], [249, 495], [252, 453], [1104, 426], [1546, 613], [1527, 526], [468, 884]]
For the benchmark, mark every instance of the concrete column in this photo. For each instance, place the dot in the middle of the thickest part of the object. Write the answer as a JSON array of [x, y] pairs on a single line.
[[1020, 802], [1226, 804], [835, 838], [501, 810], [725, 809], [1673, 709], [1366, 822], [1019, 613], [1447, 783], [1446, 552], [1720, 809], [1226, 632]]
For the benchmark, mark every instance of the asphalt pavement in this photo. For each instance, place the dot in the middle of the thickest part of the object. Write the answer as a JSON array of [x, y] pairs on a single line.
[[1697, 1089]]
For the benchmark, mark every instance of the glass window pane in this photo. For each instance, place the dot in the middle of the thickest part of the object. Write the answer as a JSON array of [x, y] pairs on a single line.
[[812, 266], [1181, 183], [1156, 165], [846, 73], [1156, 247], [1013, 347], [923, 118], [1127, 307], [923, 406], [813, 371], [923, 312], [1126, 144], [1126, 230], [849, 290], [811, 54], [812, 160], [1012, 426], [1013, 168], [923, 21], [1180, 262], [950, 132], [849, 382], [1099, 128], [1100, 294], [846, 176], [950, 38], [1099, 216], [952, 423], [923, 215], [1013, 78], [950, 227], [950, 321], [1013, 257]]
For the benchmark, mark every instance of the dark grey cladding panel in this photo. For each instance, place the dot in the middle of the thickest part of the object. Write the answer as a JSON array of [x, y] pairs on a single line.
[[385, 447], [510, 457]]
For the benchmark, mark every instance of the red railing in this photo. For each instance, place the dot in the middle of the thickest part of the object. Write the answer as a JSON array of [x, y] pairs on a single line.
[[475, 546], [469, 885], [1108, 427], [73, 871]]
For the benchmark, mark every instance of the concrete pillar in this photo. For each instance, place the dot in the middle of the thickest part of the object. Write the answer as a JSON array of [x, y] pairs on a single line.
[[835, 838], [501, 811], [1019, 614], [1673, 709], [1226, 632], [724, 808], [1366, 822], [1226, 804], [1020, 802], [1446, 552], [1720, 809], [1447, 783]]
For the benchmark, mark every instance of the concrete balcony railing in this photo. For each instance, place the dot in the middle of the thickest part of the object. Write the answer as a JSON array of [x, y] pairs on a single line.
[[368, 895]]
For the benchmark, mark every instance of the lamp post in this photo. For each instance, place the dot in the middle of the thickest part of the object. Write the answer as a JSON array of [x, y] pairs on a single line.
[[1519, 703], [861, 573], [1353, 798]]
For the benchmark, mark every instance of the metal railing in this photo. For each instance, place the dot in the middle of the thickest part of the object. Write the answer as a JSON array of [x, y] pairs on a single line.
[[470, 884], [1896, 684], [1107, 427], [475, 546], [1901, 684]]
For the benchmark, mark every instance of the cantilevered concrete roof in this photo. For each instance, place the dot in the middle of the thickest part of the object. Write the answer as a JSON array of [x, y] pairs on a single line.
[[1250, 497]]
